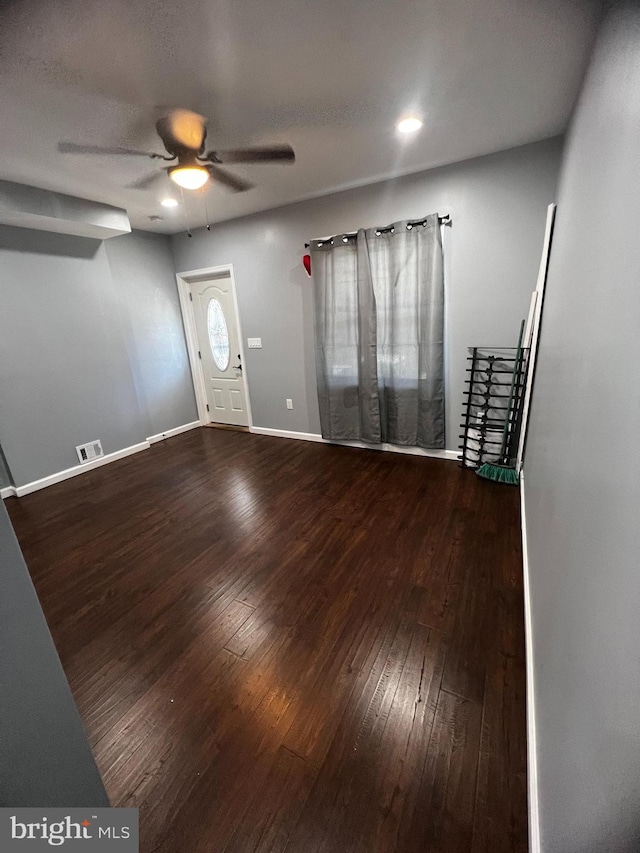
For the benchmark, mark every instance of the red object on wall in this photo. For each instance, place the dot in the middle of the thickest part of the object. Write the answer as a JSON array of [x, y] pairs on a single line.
[[306, 260]]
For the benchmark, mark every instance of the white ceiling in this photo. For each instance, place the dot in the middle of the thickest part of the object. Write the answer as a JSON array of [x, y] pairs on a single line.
[[329, 76]]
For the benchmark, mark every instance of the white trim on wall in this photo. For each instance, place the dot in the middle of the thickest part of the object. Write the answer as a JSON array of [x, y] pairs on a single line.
[[20, 491], [184, 280], [392, 448], [161, 436], [286, 433], [532, 754], [52, 479], [534, 332]]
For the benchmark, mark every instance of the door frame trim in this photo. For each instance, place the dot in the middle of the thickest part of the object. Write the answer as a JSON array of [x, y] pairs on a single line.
[[184, 281]]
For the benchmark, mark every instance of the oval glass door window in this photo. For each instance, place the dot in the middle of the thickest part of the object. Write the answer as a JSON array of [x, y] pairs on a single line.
[[218, 334]]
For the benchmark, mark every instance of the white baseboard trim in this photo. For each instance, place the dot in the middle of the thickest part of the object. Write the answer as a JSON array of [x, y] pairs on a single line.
[[175, 431], [20, 491], [52, 479], [391, 448], [532, 754], [394, 448], [286, 433]]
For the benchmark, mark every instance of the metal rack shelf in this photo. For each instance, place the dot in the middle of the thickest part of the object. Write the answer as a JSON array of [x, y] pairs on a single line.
[[486, 411]]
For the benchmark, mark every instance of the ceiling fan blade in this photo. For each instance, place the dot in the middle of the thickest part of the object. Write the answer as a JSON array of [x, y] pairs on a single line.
[[182, 129], [266, 154], [238, 185], [74, 148], [147, 181]]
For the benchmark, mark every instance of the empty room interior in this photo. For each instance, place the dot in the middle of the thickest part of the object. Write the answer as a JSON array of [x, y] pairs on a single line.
[[318, 370]]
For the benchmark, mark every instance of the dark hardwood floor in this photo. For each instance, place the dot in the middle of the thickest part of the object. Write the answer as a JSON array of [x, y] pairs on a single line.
[[284, 646]]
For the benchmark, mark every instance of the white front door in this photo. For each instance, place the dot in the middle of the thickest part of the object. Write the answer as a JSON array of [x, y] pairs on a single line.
[[218, 336]]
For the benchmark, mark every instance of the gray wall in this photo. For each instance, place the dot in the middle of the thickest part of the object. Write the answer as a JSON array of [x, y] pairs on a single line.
[[45, 759], [76, 357], [5, 476], [498, 204], [146, 292], [582, 473]]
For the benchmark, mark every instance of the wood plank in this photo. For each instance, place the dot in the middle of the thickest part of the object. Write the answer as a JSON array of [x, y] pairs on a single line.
[[287, 646], [367, 785], [445, 820], [275, 810], [500, 822]]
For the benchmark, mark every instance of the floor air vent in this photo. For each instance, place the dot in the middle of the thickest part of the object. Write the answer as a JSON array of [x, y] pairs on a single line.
[[90, 451]]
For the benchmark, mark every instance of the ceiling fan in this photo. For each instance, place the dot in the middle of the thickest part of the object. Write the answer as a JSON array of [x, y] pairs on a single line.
[[183, 134]]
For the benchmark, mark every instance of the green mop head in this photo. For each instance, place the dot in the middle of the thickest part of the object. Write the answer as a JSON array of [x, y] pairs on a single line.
[[498, 473]]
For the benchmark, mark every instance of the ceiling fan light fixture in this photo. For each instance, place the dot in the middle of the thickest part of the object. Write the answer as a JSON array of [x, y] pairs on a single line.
[[189, 177]]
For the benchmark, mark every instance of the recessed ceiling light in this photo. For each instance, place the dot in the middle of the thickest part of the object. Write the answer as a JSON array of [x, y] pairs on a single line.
[[169, 202], [409, 124]]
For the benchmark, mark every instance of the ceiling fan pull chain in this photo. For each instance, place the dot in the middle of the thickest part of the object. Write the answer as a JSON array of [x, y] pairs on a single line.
[[186, 218], [206, 212]]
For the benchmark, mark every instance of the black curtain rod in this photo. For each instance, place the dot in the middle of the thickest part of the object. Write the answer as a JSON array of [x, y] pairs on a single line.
[[442, 220]]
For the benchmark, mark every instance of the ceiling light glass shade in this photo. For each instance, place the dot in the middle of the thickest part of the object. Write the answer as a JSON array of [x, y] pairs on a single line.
[[169, 202], [409, 125], [189, 177]]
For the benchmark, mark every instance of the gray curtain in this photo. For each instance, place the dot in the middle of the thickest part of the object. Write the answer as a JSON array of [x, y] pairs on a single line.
[[379, 317]]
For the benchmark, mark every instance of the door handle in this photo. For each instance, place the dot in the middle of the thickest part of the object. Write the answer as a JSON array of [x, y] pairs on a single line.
[[239, 364]]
